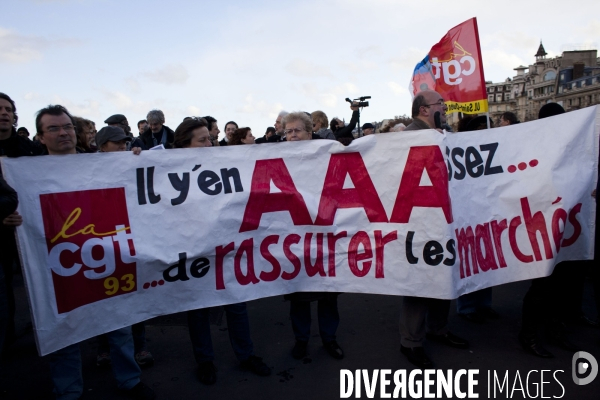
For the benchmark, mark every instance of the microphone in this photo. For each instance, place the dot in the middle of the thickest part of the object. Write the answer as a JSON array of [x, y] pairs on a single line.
[[436, 118]]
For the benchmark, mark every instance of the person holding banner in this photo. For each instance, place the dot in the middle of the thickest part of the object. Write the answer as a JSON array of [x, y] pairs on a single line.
[[156, 134], [420, 314], [548, 298], [298, 126], [109, 139], [189, 134], [56, 129], [11, 145], [8, 204]]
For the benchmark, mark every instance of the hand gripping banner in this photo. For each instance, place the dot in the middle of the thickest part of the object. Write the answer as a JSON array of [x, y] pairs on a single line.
[[453, 68], [111, 239]]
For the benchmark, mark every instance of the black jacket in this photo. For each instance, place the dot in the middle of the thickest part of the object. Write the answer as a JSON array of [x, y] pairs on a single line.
[[8, 199], [146, 140], [263, 139], [14, 146], [347, 130], [19, 146]]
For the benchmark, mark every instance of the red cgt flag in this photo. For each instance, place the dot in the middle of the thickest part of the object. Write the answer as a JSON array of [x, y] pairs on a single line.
[[453, 68]]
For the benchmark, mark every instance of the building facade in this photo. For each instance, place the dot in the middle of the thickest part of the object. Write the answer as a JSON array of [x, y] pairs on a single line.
[[571, 80]]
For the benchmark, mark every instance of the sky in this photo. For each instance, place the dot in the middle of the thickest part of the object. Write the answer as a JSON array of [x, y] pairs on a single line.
[[246, 61]]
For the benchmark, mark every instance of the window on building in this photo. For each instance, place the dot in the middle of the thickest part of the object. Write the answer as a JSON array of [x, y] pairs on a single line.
[[506, 96], [549, 76], [491, 98], [498, 97]]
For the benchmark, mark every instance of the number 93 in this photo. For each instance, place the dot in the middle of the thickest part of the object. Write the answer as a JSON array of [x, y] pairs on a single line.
[[112, 284]]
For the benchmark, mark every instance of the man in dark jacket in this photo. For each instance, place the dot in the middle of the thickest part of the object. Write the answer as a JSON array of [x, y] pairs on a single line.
[[340, 130], [420, 316], [157, 133], [270, 132], [11, 145], [8, 204]]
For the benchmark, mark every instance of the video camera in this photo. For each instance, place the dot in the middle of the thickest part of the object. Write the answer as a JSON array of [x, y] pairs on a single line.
[[360, 102]]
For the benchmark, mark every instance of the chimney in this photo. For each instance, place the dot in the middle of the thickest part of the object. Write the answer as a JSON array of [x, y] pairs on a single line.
[[578, 70]]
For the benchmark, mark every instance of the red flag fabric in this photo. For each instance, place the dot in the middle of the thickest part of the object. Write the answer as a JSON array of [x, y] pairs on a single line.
[[453, 68]]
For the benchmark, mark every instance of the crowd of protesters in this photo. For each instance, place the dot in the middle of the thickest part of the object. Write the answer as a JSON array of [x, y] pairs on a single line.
[[57, 132]]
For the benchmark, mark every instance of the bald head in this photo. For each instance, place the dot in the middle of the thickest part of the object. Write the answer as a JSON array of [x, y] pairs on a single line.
[[426, 104]]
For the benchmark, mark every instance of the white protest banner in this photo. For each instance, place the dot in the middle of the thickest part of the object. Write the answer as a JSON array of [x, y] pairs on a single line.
[[112, 239]]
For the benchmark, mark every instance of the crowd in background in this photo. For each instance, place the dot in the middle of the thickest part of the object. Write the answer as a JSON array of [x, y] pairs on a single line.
[[554, 301]]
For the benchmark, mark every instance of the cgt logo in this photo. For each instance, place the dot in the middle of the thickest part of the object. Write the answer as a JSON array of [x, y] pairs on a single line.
[[585, 368], [90, 247], [454, 67]]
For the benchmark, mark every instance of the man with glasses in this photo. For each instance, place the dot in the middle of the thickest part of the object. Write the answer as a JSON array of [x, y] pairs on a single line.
[[424, 107], [56, 130], [422, 317]]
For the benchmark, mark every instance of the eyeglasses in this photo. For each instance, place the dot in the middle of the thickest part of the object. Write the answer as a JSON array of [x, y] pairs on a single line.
[[56, 129], [440, 102], [295, 130]]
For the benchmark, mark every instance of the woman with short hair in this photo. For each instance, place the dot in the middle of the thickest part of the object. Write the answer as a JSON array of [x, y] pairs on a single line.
[[297, 127]]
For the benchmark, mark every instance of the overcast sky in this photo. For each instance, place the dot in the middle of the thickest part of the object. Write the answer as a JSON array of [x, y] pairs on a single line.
[[247, 60]]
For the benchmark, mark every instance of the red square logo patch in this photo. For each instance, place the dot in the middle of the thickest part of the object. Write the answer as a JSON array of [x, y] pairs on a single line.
[[90, 247]]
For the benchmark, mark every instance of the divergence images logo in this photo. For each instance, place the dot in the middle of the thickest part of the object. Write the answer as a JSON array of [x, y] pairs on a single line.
[[584, 364], [90, 246]]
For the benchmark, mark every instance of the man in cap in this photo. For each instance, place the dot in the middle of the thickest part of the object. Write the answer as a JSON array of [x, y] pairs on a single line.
[[120, 121], [112, 138], [368, 129]]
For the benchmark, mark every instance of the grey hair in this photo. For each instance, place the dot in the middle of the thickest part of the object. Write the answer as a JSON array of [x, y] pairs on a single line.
[[298, 116], [155, 116], [282, 114]]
